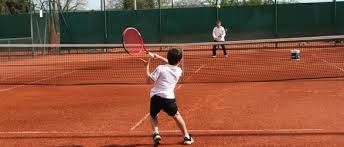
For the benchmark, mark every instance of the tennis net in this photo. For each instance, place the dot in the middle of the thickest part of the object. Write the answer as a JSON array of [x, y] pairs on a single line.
[[249, 61]]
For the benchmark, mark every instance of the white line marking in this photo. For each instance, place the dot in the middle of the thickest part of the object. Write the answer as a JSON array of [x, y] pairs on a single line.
[[15, 87], [165, 132], [139, 122], [178, 87], [341, 69], [196, 71], [199, 68], [245, 131]]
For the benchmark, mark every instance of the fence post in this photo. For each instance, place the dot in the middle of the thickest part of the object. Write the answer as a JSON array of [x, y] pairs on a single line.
[[32, 11], [335, 16], [160, 22], [276, 19], [105, 21], [217, 10]]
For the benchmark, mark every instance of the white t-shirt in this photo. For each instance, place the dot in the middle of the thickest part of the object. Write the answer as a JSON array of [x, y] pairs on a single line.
[[219, 31], [165, 78]]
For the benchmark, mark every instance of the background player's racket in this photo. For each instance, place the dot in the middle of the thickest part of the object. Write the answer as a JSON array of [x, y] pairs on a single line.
[[133, 43]]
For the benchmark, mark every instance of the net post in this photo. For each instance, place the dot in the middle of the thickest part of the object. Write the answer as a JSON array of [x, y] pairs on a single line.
[[9, 51]]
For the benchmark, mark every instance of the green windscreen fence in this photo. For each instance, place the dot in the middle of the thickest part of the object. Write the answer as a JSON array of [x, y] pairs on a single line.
[[15, 26], [248, 22], [340, 18], [179, 25], [187, 25], [146, 21], [305, 19], [82, 27], [17, 29], [106, 27]]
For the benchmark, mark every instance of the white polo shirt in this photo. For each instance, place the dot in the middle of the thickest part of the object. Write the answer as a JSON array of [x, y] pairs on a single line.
[[219, 31], [165, 78]]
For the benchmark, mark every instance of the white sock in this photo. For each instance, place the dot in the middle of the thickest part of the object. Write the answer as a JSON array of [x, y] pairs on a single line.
[[155, 132]]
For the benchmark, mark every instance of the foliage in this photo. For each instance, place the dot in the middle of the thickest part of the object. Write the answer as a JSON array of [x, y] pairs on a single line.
[[13, 7]]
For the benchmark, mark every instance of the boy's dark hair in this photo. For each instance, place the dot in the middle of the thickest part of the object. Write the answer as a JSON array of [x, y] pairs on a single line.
[[218, 21], [174, 55]]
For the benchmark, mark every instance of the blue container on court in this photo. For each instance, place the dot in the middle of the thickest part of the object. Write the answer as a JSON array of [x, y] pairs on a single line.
[[295, 54]]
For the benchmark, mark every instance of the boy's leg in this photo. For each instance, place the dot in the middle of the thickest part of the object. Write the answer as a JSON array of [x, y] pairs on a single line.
[[214, 50], [156, 135], [181, 124], [224, 49], [154, 122], [170, 107], [155, 108]]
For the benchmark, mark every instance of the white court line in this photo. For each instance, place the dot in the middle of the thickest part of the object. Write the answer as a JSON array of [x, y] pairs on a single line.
[[247, 131], [166, 131], [139, 122], [170, 132], [178, 87], [325, 61], [341, 69], [15, 87], [196, 71]]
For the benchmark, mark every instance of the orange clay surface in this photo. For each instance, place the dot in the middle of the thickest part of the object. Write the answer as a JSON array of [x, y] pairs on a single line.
[[293, 113]]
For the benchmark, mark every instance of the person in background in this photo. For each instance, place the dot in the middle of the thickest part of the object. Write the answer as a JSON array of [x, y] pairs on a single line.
[[219, 34]]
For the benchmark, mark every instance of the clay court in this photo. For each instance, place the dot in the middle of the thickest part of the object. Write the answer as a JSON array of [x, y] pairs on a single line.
[[256, 97]]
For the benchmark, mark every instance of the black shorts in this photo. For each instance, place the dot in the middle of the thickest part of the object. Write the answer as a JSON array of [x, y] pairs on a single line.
[[158, 103]]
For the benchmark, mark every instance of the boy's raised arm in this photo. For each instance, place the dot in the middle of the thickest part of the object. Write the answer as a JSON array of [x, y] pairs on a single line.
[[149, 80], [161, 58]]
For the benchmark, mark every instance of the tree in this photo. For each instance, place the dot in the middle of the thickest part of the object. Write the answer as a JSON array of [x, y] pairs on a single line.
[[64, 5], [230, 3], [166, 3], [72, 5], [12, 7], [113, 4], [190, 3], [129, 4], [245, 2], [141, 4], [3, 7]]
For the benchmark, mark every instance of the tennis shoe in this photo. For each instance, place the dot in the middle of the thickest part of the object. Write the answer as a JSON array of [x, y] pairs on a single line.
[[156, 138], [188, 140]]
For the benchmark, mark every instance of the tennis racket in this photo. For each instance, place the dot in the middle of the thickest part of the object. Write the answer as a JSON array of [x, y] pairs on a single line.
[[133, 43]]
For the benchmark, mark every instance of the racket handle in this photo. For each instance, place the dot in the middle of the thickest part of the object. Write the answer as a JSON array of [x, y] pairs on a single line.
[[151, 55]]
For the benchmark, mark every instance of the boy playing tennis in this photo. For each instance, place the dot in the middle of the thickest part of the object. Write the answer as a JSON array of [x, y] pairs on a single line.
[[165, 78], [219, 34]]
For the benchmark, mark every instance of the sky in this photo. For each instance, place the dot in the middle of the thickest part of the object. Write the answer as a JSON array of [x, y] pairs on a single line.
[[95, 4]]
